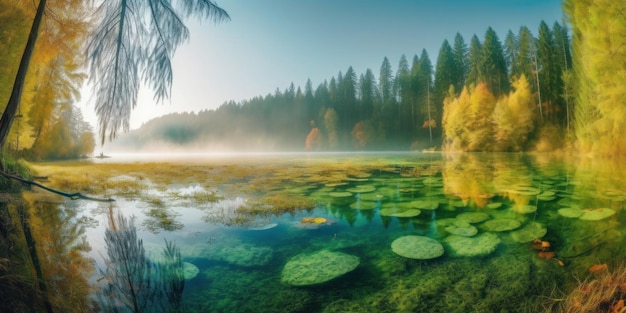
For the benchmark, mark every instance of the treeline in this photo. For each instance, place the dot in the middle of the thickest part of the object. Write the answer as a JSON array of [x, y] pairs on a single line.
[[47, 124], [402, 108]]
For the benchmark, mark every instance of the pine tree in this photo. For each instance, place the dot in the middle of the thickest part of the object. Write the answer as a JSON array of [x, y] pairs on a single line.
[[461, 59], [493, 69], [475, 59]]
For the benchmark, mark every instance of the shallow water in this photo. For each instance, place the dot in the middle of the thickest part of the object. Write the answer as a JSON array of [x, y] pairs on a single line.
[[241, 253]]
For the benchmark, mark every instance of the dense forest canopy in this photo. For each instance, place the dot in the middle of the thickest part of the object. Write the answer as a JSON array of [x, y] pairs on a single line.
[[524, 86]]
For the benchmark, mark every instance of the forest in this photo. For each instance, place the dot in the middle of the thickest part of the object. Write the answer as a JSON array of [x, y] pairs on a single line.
[[519, 93], [530, 91]]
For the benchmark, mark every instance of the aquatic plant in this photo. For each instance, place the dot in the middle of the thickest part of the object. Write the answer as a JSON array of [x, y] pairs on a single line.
[[479, 245], [245, 255], [417, 247], [315, 268]]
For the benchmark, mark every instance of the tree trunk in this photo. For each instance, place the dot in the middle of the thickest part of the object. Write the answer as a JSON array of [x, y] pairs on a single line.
[[16, 94]]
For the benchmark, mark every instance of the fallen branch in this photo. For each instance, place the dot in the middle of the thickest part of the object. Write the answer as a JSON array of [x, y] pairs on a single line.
[[73, 196]]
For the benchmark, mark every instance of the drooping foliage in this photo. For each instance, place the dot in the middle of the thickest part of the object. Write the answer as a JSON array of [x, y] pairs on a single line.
[[134, 41]]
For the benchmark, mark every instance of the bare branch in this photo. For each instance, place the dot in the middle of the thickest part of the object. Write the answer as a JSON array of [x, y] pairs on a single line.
[[73, 196]]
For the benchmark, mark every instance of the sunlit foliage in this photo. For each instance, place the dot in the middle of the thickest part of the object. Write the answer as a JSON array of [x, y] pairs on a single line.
[[477, 121], [600, 67]]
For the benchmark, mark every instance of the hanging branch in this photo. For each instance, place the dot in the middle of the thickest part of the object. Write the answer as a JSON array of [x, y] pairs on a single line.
[[73, 196]]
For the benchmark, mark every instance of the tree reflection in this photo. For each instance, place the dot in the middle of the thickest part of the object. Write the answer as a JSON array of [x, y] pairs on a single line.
[[134, 283]]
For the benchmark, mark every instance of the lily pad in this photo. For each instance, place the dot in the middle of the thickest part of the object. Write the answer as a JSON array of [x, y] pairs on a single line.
[[480, 245], [473, 217], [570, 212], [502, 224], [524, 208], [399, 212], [340, 194], [319, 267], [362, 189], [596, 214], [462, 228], [417, 247], [364, 205], [425, 204], [529, 232], [493, 205]]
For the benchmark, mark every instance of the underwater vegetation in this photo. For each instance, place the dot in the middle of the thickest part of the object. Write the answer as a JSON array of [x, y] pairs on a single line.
[[431, 233]]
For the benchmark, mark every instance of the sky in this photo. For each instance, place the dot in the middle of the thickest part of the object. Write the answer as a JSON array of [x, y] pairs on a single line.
[[269, 44]]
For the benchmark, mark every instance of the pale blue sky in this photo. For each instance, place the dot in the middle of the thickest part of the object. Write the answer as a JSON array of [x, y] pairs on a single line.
[[271, 43]]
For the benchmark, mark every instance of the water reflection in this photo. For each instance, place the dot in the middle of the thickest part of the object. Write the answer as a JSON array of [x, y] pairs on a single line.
[[132, 282], [242, 221]]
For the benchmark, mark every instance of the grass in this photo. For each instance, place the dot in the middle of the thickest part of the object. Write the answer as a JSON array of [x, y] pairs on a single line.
[[600, 292]]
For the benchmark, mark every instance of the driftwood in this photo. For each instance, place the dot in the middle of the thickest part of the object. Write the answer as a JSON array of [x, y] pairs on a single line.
[[73, 196]]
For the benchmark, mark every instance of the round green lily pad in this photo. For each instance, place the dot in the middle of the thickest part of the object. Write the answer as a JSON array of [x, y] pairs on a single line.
[[525, 191], [502, 224], [473, 217], [364, 205], [362, 189], [529, 232], [417, 247], [425, 204], [371, 196], [190, 271], [399, 212], [315, 268], [596, 214], [493, 205], [480, 245], [340, 194], [524, 208], [462, 228], [570, 212]]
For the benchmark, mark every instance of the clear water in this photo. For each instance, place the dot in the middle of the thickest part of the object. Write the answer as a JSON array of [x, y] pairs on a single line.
[[241, 256]]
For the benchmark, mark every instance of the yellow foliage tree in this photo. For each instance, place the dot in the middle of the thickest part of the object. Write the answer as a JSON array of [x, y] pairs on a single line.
[[482, 103], [513, 117], [455, 121], [600, 67]]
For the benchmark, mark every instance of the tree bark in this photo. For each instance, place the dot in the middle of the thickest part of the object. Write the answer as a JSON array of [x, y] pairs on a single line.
[[16, 94]]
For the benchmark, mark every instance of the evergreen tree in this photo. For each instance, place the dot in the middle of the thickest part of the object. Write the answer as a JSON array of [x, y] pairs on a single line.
[[444, 73], [403, 81], [385, 81], [475, 59], [493, 66], [511, 54], [461, 59]]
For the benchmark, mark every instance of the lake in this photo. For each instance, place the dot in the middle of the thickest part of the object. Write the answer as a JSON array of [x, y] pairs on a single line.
[[371, 232]]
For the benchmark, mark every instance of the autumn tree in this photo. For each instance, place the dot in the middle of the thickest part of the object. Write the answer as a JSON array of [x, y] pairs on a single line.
[[513, 117], [600, 67]]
